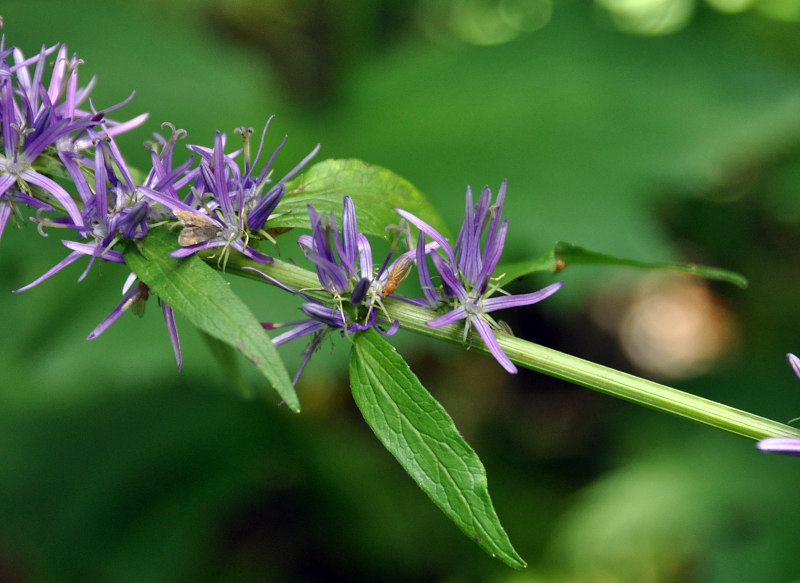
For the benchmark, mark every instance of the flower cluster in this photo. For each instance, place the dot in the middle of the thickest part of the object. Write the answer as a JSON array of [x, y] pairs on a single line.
[[46, 132], [343, 262], [222, 202]]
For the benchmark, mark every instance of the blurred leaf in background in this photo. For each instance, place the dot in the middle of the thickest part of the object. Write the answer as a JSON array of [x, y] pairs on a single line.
[[662, 131]]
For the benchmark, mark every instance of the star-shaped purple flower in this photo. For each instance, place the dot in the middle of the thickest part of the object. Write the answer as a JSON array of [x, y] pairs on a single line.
[[343, 261], [466, 271]]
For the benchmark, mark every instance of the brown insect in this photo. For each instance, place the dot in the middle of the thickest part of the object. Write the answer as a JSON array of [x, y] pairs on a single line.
[[397, 274], [197, 228]]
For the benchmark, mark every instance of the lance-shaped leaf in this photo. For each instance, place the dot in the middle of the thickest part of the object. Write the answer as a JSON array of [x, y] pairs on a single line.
[[375, 191], [202, 295], [564, 254], [420, 434]]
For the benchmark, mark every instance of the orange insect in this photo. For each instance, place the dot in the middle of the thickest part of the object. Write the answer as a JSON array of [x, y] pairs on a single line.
[[396, 275]]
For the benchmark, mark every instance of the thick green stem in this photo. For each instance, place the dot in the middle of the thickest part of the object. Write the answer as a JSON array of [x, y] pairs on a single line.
[[563, 366]]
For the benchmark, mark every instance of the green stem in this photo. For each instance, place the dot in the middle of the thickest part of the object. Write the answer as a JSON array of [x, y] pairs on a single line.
[[557, 364]]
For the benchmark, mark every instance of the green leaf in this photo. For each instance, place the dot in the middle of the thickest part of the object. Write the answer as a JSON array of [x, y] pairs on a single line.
[[375, 191], [420, 434], [203, 296], [563, 255]]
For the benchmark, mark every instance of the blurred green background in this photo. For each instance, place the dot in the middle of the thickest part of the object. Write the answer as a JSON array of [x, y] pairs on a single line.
[[653, 129]]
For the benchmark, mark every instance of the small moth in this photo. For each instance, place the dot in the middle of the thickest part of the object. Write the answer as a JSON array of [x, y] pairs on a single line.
[[197, 228]]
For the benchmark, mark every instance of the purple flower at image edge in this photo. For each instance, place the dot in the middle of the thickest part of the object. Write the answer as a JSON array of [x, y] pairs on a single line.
[[466, 271], [787, 445]]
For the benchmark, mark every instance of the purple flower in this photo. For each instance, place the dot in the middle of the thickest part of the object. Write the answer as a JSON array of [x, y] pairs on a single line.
[[345, 269], [227, 206], [787, 445], [34, 118], [466, 271], [343, 261], [113, 209]]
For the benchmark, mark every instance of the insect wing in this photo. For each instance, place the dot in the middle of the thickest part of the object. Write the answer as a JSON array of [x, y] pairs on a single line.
[[397, 274], [197, 228]]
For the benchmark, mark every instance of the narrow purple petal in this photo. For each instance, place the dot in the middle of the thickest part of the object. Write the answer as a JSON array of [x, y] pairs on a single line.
[[181, 252], [6, 182], [69, 259], [95, 251], [491, 343], [491, 257], [219, 184], [327, 315], [468, 246], [497, 210], [114, 315], [502, 302], [5, 212], [304, 328], [172, 330], [453, 286], [364, 256], [57, 191], [794, 362], [168, 201], [431, 294], [307, 352], [252, 253], [431, 232], [391, 331], [787, 445], [349, 233], [302, 163], [450, 317]]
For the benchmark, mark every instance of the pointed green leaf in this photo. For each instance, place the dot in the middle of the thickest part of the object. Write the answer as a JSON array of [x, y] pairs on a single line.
[[564, 254], [375, 191], [420, 434], [202, 295]]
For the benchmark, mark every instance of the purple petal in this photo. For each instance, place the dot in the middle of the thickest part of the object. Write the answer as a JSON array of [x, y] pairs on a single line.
[[113, 316], [168, 201], [431, 232], [452, 285], [491, 257], [57, 191], [71, 258], [364, 256], [95, 251], [392, 330], [491, 343], [787, 445], [5, 212], [252, 253], [302, 163], [6, 182], [794, 362], [172, 329], [502, 302], [304, 328], [431, 294], [349, 233], [450, 317], [181, 252]]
